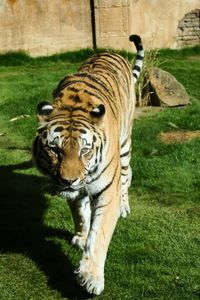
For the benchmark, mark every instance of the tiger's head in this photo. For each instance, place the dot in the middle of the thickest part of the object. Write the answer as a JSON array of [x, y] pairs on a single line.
[[69, 144]]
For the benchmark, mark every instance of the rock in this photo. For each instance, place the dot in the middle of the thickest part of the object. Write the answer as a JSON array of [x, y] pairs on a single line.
[[165, 90]]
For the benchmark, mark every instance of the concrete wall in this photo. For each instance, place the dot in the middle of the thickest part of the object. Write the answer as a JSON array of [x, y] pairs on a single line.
[[43, 27], [155, 20]]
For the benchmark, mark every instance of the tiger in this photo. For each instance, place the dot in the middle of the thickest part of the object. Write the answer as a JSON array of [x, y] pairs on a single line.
[[83, 143]]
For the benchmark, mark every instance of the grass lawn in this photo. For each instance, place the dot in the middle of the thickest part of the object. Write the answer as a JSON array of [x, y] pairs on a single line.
[[155, 252]]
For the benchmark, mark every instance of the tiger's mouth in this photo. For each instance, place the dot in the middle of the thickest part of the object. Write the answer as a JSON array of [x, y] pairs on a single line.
[[71, 193], [69, 188]]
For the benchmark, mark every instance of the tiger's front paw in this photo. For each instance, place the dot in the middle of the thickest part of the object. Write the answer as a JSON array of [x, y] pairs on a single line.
[[79, 241], [89, 277]]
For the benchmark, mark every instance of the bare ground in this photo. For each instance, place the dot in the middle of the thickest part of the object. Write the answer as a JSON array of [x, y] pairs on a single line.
[[177, 136]]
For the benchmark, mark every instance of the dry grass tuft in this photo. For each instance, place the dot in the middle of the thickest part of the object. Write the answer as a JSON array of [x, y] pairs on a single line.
[[178, 136], [142, 88]]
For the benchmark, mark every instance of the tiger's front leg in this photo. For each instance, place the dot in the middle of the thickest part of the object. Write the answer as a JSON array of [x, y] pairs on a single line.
[[81, 212], [90, 273]]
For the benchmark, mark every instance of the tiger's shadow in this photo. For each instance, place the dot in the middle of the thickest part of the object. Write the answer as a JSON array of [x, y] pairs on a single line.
[[22, 229]]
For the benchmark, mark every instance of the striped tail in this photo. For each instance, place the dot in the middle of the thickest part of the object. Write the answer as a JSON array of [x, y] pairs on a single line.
[[140, 56]]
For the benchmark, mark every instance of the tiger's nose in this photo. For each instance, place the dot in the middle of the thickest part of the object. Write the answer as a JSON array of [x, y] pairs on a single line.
[[69, 183]]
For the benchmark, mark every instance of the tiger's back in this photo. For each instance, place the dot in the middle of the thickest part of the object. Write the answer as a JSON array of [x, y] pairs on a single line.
[[108, 78], [84, 145]]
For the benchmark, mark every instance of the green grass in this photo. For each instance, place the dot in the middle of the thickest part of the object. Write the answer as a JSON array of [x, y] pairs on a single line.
[[155, 252]]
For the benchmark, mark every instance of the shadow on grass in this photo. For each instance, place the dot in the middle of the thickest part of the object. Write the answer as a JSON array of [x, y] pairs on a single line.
[[22, 207]]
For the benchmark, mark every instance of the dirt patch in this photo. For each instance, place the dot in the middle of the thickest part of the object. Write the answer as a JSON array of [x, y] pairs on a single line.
[[178, 136], [146, 111], [193, 58]]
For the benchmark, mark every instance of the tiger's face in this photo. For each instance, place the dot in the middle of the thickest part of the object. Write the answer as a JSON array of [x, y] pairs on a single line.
[[69, 150]]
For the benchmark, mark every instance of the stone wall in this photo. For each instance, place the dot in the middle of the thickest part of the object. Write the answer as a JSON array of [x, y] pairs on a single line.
[[189, 29], [43, 27]]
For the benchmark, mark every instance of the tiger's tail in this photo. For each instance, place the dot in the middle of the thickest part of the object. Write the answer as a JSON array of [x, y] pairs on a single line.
[[140, 55]]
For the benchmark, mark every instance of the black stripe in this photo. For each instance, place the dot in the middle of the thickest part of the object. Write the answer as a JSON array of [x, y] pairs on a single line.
[[100, 207], [114, 76], [58, 88], [111, 98], [125, 154], [41, 129], [124, 143], [102, 74], [59, 129], [100, 98], [112, 63], [35, 145], [94, 87], [93, 94], [139, 57], [38, 154], [125, 168], [61, 120], [105, 168], [92, 78], [137, 68], [73, 89], [127, 70], [81, 121], [125, 63], [121, 63], [75, 98], [123, 174], [117, 58], [101, 150], [72, 108], [97, 195], [111, 72], [96, 154], [78, 129], [139, 47]]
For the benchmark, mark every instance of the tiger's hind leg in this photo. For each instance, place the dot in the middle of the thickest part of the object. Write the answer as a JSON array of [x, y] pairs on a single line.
[[81, 212], [126, 181], [126, 175]]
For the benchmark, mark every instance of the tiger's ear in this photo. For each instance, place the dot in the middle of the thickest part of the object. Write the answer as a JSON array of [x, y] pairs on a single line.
[[98, 111], [44, 109]]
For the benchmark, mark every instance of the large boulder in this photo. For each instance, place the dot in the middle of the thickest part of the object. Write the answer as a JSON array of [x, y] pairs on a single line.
[[165, 90]]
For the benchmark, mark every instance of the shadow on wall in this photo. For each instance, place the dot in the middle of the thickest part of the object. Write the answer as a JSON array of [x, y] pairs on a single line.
[[22, 230]]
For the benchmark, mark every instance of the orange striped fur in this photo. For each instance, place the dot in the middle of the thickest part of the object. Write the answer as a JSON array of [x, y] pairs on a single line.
[[84, 145]]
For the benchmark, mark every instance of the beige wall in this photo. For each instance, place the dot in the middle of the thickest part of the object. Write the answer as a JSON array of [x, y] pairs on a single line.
[[155, 20], [159, 22], [43, 27]]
